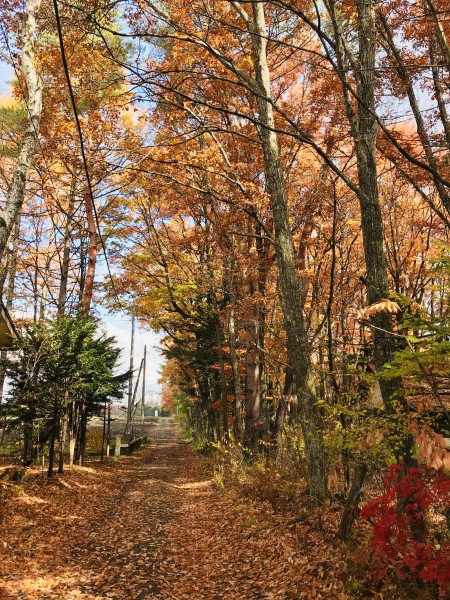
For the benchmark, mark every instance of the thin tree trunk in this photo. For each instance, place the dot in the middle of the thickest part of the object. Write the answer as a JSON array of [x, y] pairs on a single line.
[[236, 374], [28, 444], [351, 506], [252, 338], [92, 253], [62, 434], [16, 190], [65, 263], [53, 436], [44, 295], [108, 431], [82, 435], [73, 430], [103, 433], [223, 381]]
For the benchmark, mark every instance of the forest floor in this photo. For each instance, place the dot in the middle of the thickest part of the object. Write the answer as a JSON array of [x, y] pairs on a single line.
[[155, 526]]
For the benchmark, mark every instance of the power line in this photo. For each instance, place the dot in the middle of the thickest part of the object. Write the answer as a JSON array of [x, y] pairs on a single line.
[[82, 146]]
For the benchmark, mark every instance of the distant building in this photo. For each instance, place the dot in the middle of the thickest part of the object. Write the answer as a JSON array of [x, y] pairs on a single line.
[[8, 332]]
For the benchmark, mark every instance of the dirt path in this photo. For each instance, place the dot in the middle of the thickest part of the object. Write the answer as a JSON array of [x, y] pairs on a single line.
[[152, 526]]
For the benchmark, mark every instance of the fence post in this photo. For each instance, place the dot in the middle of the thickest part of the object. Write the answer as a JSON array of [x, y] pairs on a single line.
[[117, 449]]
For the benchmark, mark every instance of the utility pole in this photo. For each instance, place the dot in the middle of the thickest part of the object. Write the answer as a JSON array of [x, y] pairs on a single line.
[[135, 404], [130, 383], [143, 385]]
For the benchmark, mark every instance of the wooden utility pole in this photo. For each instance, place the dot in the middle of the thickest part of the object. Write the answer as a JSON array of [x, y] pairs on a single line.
[[144, 365], [134, 404]]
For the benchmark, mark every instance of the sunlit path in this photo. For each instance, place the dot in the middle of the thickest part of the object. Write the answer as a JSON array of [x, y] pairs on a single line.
[[152, 526]]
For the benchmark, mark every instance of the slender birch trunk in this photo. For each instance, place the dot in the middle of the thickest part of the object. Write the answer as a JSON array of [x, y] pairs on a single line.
[[16, 191]]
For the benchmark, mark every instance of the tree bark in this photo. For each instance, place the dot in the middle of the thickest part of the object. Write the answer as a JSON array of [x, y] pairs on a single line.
[[351, 506], [223, 381], [65, 263], [364, 130], [62, 440], [16, 190], [289, 285], [236, 374], [53, 436], [92, 252], [12, 267], [377, 285], [252, 327]]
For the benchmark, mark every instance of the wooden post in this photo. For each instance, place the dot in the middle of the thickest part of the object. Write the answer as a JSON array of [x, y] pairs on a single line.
[[117, 449], [108, 431]]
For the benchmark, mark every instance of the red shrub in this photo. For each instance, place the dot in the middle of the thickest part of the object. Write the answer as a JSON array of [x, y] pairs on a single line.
[[404, 541]]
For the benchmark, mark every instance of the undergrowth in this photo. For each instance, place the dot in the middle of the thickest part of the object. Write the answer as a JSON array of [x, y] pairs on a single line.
[[282, 485]]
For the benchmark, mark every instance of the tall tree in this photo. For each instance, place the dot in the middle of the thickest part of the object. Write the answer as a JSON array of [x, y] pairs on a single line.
[[33, 96]]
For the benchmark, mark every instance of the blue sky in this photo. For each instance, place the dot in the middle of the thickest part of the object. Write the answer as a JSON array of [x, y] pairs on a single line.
[[5, 75]]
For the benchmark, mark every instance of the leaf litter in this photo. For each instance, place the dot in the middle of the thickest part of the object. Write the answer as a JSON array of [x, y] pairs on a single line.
[[155, 526]]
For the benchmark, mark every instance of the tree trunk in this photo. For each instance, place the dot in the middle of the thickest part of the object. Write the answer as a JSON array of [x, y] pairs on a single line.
[[289, 285], [92, 252], [384, 342], [252, 337], [73, 430], [53, 436], [371, 218], [82, 435], [280, 416], [27, 444], [223, 381], [62, 440], [16, 190], [65, 263], [12, 267], [44, 295], [104, 432], [236, 375], [352, 503]]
